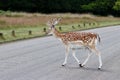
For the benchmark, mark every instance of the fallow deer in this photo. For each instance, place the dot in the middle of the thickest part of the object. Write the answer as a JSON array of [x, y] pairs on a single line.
[[83, 39]]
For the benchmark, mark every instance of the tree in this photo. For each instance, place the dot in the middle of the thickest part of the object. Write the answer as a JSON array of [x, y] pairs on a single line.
[[116, 8], [103, 7], [100, 7]]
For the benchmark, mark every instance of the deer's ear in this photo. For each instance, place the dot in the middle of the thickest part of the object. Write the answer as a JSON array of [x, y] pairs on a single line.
[[53, 22], [56, 21]]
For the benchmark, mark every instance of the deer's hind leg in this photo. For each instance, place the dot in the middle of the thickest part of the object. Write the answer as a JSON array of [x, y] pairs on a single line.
[[95, 50]]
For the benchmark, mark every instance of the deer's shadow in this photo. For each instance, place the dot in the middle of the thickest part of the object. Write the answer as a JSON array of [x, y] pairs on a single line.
[[86, 69]]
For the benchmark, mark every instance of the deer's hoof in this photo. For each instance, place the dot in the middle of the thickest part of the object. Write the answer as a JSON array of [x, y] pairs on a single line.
[[99, 68], [80, 65], [63, 65]]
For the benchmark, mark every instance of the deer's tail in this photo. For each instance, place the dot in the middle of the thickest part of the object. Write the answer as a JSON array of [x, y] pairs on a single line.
[[99, 39]]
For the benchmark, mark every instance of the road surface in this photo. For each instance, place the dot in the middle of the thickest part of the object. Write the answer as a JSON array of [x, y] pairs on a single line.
[[41, 59]]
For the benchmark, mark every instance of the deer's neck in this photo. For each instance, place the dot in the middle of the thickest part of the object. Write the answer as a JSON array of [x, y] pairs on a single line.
[[56, 33]]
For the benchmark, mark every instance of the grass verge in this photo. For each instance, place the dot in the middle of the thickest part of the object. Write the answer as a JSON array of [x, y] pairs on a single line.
[[24, 27]]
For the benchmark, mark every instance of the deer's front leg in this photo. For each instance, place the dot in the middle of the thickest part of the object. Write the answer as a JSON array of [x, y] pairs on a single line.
[[86, 60], [66, 55], [74, 55]]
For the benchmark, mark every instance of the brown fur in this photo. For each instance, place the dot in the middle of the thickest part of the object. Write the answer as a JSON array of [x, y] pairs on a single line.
[[85, 37]]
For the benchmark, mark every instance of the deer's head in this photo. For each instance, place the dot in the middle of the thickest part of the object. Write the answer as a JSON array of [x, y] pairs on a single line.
[[51, 24]]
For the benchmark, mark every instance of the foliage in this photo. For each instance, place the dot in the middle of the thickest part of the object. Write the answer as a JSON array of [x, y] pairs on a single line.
[[116, 8], [101, 7]]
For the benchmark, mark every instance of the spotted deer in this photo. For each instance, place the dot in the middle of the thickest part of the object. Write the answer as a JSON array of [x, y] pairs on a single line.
[[83, 39]]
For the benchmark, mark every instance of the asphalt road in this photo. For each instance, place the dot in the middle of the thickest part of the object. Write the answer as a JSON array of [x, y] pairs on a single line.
[[41, 59]]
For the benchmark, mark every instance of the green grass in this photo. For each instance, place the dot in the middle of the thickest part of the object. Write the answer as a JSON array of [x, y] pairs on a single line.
[[37, 31], [21, 33], [80, 26]]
